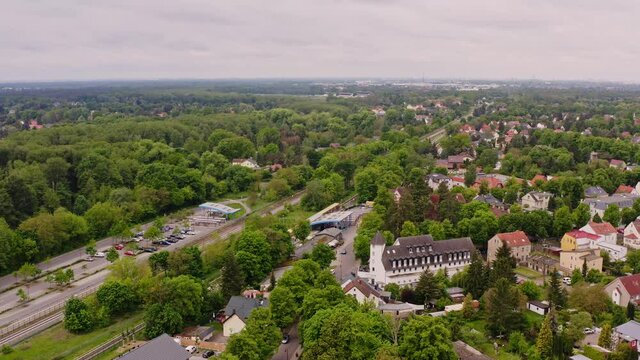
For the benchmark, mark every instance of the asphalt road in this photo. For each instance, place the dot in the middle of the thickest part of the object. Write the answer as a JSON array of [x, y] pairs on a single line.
[[14, 311], [290, 350]]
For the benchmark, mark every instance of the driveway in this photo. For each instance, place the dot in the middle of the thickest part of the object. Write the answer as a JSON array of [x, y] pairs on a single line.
[[292, 349]]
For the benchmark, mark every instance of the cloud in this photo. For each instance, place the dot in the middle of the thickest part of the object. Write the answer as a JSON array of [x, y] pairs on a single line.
[[78, 39]]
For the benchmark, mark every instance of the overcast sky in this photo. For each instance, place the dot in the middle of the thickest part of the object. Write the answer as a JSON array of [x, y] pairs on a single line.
[[207, 39]]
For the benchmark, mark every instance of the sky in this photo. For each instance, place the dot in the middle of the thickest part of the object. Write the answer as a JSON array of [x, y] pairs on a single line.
[[45, 40]]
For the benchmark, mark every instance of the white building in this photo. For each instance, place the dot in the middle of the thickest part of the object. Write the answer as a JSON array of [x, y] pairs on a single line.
[[364, 292], [538, 307], [403, 262], [604, 230], [434, 181], [237, 311], [248, 163], [536, 200], [598, 205], [632, 234]]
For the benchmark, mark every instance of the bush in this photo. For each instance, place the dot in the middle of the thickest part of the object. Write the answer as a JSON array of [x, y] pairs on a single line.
[[6, 349]]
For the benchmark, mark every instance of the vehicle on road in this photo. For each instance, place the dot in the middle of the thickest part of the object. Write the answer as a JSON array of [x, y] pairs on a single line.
[[191, 349], [588, 331], [207, 354], [150, 249], [191, 232], [118, 246], [343, 252], [89, 258], [285, 339], [100, 254], [130, 253]]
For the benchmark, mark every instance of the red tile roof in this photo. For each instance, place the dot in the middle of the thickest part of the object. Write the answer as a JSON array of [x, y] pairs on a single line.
[[539, 177], [632, 284], [602, 228], [516, 238], [492, 182], [579, 234], [498, 212], [624, 189]]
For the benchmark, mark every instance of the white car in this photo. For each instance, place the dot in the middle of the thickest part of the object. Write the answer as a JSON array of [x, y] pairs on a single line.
[[89, 258], [191, 232], [191, 349], [588, 331], [100, 254], [566, 280]]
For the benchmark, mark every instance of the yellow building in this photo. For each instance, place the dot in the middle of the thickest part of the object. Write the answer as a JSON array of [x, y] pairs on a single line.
[[577, 239]]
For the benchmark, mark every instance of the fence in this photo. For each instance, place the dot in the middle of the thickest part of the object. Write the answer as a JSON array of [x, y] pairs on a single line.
[[104, 347], [42, 313]]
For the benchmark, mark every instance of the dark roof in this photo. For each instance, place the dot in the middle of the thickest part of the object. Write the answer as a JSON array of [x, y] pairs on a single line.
[[331, 231], [364, 287], [491, 200], [594, 191], [539, 304], [424, 246], [243, 306], [378, 239], [466, 352], [161, 348]]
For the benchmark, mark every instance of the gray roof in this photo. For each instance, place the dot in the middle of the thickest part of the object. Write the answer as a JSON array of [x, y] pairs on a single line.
[[579, 357], [539, 195], [629, 330], [466, 352], [416, 247], [594, 191], [621, 200], [243, 306], [539, 304], [491, 200], [161, 348], [331, 231], [436, 177], [378, 239]]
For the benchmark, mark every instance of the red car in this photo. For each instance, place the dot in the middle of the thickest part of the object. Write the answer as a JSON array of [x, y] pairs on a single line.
[[118, 246], [130, 253]]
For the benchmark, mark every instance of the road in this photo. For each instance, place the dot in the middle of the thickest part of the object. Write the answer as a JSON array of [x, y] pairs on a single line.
[[290, 350], [345, 264], [99, 266]]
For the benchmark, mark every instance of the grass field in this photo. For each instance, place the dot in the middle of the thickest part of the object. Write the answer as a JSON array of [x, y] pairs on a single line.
[[57, 343], [528, 273]]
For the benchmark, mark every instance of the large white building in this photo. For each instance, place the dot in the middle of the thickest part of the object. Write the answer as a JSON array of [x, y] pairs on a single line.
[[404, 261]]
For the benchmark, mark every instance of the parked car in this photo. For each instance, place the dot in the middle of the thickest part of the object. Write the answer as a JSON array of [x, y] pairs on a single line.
[[150, 249], [130, 253], [207, 354], [164, 243], [100, 254], [285, 339], [343, 252], [191, 349], [588, 331], [191, 232], [89, 258], [566, 280], [118, 246], [171, 240]]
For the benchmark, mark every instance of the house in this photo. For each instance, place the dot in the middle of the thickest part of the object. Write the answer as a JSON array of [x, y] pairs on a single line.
[[628, 332], [538, 179], [618, 164], [237, 311], [407, 258], [378, 111], [400, 310], [492, 201], [33, 125], [457, 181], [600, 204], [604, 230], [577, 240], [624, 289], [625, 189], [456, 294], [543, 264], [632, 234], [536, 200], [364, 292], [538, 307], [164, 347], [248, 163], [434, 181], [516, 241], [594, 192], [571, 260]]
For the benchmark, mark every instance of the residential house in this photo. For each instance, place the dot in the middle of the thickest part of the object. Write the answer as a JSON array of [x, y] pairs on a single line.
[[604, 230], [618, 164], [434, 181], [408, 257], [400, 310], [594, 192], [235, 314], [538, 179], [538, 307], [456, 294], [364, 292], [624, 289], [629, 333], [457, 181], [248, 163], [600, 204], [543, 264], [625, 189], [516, 241], [536, 200], [492, 201], [457, 161], [601, 236], [571, 260], [196, 333], [632, 234], [492, 182], [161, 348], [33, 125]]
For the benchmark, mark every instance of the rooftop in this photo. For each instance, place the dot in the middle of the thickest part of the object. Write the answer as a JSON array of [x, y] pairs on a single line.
[[332, 217], [603, 228], [516, 238], [629, 330], [211, 206], [161, 348], [243, 306]]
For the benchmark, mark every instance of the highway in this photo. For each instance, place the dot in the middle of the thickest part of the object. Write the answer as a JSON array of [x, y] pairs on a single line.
[[99, 272]]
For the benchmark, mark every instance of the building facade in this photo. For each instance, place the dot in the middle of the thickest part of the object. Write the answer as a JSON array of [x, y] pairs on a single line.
[[516, 241]]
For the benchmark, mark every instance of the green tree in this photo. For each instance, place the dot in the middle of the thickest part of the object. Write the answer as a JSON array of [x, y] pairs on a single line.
[[631, 311], [232, 280], [581, 215], [91, 248], [409, 229], [504, 265], [605, 337], [557, 295], [612, 215], [476, 279], [426, 338], [562, 221], [504, 303], [160, 319], [117, 297], [159, 261], [77, 318], [22, 295], [531, 290], [576, 276], [112, 255], [428, 288], [283, 306], [470, 176], [467, 307], [394, 289], [544, 341], [323, 254], [302, 230]]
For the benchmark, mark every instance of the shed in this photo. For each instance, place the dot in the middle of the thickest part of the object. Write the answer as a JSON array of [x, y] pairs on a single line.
[[538, 307]]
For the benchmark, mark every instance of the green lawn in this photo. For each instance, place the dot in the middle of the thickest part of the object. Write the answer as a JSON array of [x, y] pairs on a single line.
[[57, 343], [528, 273]]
